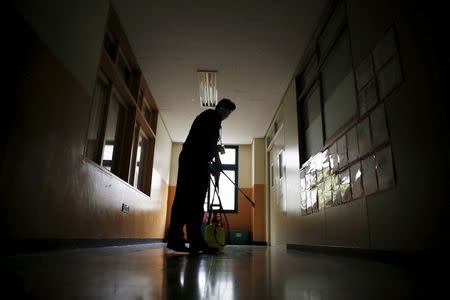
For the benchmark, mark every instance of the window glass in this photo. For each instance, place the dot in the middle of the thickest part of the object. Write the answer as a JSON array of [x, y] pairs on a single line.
[[340, 103], [147, 113], [229, 157], [280, 165], [308, 74], [227, 188], [111, 150], [337, 66], [97, 115], [124, 70], [226, 191], [328, 35], [313, 123], [110, 43], [140, 161]]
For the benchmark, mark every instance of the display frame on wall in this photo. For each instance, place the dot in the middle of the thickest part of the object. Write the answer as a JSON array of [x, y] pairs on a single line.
[[364, 146]]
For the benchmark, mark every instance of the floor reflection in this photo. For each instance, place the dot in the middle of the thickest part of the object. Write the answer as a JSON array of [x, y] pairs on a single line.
[[241, 272]]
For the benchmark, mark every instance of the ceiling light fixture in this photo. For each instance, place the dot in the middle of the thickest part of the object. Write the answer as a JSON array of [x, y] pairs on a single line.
[[207, 88]]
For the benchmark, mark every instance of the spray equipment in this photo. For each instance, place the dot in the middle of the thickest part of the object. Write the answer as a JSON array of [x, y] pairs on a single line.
[[214, 231]]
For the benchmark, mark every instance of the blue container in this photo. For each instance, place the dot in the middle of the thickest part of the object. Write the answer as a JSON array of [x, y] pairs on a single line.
[[239, 237]]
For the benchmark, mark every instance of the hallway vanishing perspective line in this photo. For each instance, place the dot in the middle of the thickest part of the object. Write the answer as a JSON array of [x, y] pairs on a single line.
[[150, 271]]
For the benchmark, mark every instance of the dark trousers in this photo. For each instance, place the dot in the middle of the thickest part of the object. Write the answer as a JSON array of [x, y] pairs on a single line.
[[187, 208]]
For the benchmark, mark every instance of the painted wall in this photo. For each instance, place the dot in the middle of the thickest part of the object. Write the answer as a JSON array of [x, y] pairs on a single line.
[[408, 217], [259, 190], [53, 192], [72, 30]]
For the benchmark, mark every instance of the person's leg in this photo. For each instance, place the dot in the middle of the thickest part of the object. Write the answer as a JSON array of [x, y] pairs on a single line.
[[196, 211], [175, 238]]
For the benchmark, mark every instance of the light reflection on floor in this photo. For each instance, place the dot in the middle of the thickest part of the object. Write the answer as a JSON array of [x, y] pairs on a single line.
[[241, 272]]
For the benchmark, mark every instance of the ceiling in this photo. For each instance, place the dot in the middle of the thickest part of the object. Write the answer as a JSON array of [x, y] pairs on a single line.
[[254, 45]]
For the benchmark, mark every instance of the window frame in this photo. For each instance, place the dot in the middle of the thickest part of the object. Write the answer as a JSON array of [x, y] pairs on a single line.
[[303, 91], [130, 96], [228, 167]]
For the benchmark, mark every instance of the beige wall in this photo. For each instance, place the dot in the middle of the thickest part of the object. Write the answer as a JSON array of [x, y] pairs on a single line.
[[259, 190], [54, 192], [72, 30], [258, 161], [245, 166]]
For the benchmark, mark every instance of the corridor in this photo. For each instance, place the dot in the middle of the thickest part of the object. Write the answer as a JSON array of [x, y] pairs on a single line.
[[150, 271]]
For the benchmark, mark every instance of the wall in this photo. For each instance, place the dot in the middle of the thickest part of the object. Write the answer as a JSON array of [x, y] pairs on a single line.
[[259, 190], [50, 190], [72, 30], [408, 217]]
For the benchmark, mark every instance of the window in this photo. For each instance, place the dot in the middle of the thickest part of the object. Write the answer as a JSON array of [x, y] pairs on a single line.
[[94, 138], [312, 122], [140, 161], [120, 137], [147, 112], [338, 86], [227, 189], [113, 135], [110, 44], [280, 165], [327, 100], [124, 70], [106, 128], [334, 24]]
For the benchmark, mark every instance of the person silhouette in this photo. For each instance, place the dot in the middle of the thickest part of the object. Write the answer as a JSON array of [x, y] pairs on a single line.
[[200, 148]]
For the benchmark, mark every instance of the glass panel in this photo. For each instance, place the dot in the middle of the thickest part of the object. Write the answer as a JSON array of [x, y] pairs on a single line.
[[227, 191], [110, 43], [352, 144], [338, 85], [147, 114], [385, 168], [342, 151], [303, 202], [140, 99], [280, 165], [337, 65], [368, 97], [344, 186], [364, 141], [140, 161], [335, 22], [389, 77], [229, 158], [113, 129], [379, 127], [97, 116], [124, 70], [333, 156], [313, 123], [369, 174], [341, 106], [308, 74], [356, 181]]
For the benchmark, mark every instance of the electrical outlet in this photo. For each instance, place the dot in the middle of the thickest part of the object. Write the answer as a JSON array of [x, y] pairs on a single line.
[[125, 208]]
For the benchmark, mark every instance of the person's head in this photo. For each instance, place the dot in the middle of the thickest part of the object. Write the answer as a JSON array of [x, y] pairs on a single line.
[[224, 108]]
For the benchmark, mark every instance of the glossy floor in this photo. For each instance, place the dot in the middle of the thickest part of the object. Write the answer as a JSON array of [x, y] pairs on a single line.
[[151, 271]]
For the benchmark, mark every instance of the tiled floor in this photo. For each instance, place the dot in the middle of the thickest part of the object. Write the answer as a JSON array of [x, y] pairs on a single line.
[[151, 271]]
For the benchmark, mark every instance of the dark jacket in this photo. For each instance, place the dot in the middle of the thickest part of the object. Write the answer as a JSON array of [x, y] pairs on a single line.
[[201, 143]]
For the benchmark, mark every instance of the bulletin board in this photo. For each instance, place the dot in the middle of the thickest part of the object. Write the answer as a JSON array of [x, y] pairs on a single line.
[[360, 161]]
